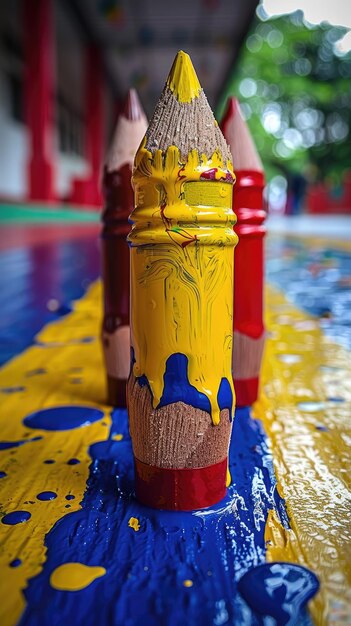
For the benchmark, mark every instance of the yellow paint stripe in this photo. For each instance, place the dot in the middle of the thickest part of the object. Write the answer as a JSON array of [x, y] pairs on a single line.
[[63, 358], [310, 438]]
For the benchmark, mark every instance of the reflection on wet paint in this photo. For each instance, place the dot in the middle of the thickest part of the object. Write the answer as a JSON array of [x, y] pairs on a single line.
[[63, 417], [46, 495], [279, 590], [75, 576]]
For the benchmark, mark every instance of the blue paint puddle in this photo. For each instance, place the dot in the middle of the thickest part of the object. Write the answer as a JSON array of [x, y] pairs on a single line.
[[47, 495], [7, 445], [16, 517], [279, 590], [146, 569], [16, 563], [63, 418], [3, 474]]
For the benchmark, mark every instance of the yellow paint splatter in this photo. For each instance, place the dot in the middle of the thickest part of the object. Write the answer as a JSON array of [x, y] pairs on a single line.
[[182, 270], [45, 374], [117, 437], [134, 523], [188, 583], [182, 79], [75, 576]]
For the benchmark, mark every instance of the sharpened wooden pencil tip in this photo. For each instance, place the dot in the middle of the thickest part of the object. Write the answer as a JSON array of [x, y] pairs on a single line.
[[237, 133], [132, 109]]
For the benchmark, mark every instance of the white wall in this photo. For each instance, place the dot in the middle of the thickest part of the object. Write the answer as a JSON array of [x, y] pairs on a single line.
[[13, 148]]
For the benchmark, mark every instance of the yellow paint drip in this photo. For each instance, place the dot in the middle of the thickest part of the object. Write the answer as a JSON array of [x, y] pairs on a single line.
[[182, 270], [182, 79], [134, 523], [310, 451], [75, 576], [188, 583]]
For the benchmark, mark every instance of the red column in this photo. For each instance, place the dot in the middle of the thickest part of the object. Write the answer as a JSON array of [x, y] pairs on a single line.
[[39, 96], [87, 191]]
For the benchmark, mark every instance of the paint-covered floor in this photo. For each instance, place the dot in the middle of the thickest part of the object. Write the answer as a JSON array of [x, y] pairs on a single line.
[[76, 547]]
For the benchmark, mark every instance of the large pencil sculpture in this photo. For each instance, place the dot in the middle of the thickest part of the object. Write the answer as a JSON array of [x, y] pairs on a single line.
[[249, 331], [119, 201], [180, 391]]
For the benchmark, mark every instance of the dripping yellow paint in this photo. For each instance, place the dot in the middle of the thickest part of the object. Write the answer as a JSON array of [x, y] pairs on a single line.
[[182, 284]]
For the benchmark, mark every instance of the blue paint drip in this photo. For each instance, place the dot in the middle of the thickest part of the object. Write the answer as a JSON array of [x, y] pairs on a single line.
[[3, 474], [146, 569], [16, 517], [279, 590], [6, 445], [46, 495], [16, 563], [49, 461], [70, 497], [63, 417], [73, 462], [176, 387]]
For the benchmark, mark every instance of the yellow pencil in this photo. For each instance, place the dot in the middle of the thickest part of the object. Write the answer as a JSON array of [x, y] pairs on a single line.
[[180, 393]]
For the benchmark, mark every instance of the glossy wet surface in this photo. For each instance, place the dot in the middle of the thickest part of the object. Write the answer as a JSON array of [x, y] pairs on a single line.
[[76, 546]]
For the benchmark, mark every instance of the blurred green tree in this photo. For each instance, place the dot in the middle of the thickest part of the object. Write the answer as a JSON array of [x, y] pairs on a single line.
[[295, 91]]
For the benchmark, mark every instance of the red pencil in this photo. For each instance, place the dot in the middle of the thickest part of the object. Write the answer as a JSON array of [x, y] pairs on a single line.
[[249, 334], [119, 203]]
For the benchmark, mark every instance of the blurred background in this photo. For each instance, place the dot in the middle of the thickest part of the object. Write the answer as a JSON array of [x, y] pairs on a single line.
[[66, 65]]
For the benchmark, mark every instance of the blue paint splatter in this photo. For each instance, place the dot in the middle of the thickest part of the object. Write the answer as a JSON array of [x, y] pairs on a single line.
[[3, 474], [70, 497], [6, 445], [46, 495], [279, 590], [16, 563], [73, 462], [16, 517], [63, 417], [49, 461], [212, 547]]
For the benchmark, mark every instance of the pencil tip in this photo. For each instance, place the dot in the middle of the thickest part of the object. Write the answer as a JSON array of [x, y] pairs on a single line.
[[182, 79], [236, 131], [132, 109]]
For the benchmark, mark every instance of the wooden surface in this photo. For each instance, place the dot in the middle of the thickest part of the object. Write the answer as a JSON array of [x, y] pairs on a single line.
[[92, 554]]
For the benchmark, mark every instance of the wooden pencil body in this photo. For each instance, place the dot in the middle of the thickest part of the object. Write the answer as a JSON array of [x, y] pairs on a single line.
[[249, 332], [248, 327], [119, 200]]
